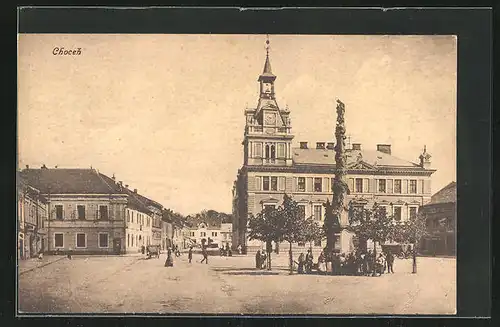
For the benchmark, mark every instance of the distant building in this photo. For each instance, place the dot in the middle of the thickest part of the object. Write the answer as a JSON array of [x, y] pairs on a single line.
[[272, 167], [31, 214], [86, 210], [440, 216], [215, 233]]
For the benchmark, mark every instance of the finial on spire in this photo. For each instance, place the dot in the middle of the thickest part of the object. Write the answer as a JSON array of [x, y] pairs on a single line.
[[267, 45]]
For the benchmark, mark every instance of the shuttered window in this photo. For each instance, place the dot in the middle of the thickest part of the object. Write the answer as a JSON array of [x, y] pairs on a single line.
[[281, 183]]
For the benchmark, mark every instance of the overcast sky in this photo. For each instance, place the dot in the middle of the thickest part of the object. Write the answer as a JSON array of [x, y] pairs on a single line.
[[164, 113]]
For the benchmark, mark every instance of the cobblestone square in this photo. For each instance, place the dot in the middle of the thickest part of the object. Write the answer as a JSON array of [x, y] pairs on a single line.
[[132, 284]]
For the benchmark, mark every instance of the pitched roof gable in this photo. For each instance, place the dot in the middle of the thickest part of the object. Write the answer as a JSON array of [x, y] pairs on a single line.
[[69, 181], [447, 194]]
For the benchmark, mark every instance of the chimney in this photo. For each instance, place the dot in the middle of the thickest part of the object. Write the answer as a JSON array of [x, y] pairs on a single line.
[[126, 185], [303, 145], [357, 146], [114, 178], [320, 145], [27, 166], [120, 182], [135, 190], [385, 148], [330, 146], [44, 167]]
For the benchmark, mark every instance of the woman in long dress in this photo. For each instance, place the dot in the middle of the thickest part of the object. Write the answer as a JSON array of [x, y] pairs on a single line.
[[300, 265], [321, 263], [169, 262]]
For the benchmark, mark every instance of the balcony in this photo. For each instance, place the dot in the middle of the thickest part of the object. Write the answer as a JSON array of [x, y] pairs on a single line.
[[257, 129]]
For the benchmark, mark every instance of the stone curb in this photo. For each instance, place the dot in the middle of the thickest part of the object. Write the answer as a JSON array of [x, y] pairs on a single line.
[[40, 266]]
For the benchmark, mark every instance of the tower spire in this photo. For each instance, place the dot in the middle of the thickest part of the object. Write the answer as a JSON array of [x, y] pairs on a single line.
[[267, 66]]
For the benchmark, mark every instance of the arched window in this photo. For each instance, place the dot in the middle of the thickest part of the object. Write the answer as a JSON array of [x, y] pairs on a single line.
[[273, 151], [268, 154]]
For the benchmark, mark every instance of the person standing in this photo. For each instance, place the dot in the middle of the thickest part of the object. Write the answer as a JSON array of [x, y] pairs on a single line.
[[300, 264], [239, 248], [321, 263], [190, 254], [204, 252], [169, 262], [309, 261], [390, 262], [257, 259]]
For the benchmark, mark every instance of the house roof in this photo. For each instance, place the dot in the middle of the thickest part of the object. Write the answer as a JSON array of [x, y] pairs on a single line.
[[69, 181], [447, 194], [327, 157]]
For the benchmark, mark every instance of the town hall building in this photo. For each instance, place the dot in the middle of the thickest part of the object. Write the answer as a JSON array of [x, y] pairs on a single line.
[[272, 167]]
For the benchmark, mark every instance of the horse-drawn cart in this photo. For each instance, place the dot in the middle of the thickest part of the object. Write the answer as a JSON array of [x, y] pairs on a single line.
[[153, 251]]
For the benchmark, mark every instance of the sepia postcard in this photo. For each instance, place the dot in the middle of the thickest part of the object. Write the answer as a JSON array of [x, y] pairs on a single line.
[[243, 174]]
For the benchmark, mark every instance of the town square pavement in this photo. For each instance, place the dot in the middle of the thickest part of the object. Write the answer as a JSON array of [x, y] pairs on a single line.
[[133, 284]]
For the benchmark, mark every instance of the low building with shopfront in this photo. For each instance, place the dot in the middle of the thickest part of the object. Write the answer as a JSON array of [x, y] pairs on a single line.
[[440, 217]]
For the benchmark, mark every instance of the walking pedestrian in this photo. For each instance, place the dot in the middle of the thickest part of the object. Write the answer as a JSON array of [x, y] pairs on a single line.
[[190, 254], [169, 262], [263, 263], [70, 252], [204, 252], [390, 262], [321, 263], [309, 261], [239, 248]]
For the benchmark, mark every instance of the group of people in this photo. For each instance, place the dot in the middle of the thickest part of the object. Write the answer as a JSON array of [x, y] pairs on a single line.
[[359, 263], [305, 263], [225, 252], [261, 259], [169, 262]]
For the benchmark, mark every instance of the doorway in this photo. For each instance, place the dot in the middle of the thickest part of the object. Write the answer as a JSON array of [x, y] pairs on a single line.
[[117, 245]]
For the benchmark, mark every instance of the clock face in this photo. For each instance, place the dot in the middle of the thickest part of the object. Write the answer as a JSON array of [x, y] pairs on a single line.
[[270, 119], [267, 88]]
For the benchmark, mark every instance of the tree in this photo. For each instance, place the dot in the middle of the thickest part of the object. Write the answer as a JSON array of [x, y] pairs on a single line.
[[373, 224], [312, 232], [412, 231], [292, 225], [266, 226]]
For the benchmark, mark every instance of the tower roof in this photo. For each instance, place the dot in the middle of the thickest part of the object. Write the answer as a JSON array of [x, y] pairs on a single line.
[[267, 72]]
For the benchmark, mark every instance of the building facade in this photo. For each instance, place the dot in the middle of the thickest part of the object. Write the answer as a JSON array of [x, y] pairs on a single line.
[[31, 214], [219, 234], [440, 217], [272, 167], [86, 210]]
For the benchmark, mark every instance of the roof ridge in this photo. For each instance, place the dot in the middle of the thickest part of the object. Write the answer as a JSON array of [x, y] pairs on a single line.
[[99, 175]]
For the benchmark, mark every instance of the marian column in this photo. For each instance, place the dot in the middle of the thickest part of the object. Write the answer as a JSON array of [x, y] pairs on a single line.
[[337, 212]]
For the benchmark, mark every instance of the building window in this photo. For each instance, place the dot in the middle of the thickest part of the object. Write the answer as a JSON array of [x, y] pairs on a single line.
[[128, 216], [273, 151], [274, 183], [412, 212], [301, 244], [103, 240], [214, 233], [359, 185], [103, 212], [265, 183], [383, 210], [381, 185], [281, 150], [282, 182], [269, 207], [81, 211], [59, 212], [413, 186], [59, 240], [397, 186], [203, 234], [132, 216], [81, 240], [302, 211], [192, 233], [397, 213], [132, 238], [128, 239], [301, 184], [258, 150], [318, 185], [317, 212]]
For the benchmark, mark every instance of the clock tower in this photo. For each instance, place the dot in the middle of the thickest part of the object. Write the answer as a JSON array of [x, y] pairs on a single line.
[[268, 135]]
